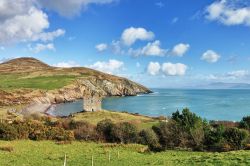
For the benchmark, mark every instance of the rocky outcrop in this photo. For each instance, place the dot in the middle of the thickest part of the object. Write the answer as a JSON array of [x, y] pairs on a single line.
[[96, 81], [104, 87]]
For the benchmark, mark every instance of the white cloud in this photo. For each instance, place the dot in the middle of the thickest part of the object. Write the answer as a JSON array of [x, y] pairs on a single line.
[[49, 36], [171, 69], [228, 13], [10, 9], [180, 49], [117, 48], [153, 68], [238, 74], [111, 67], [70, 8], [233, 75], [23, 21], [67, 64], [131, 35], [42, 47], [101, 47], [151, 49], [210, 56], [2, 48]]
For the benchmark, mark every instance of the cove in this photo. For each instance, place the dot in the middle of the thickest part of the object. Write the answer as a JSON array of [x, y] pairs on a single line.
[[210, 104]]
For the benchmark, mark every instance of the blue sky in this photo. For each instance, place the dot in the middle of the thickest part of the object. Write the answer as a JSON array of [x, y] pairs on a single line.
[[158, 43]]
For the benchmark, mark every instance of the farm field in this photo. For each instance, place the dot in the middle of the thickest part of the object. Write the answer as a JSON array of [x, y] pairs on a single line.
[[30, 153]]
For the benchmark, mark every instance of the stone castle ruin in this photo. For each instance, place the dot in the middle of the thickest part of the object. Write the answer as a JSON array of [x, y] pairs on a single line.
[[92, 101]]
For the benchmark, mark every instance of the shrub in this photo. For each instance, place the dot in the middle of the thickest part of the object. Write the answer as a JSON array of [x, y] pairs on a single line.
[[104, 129], [214, 138], [236, 137], [171, 135], [59, 134], [245, 123], [85, 131], [8, 132], [148, 137], [125, 133]]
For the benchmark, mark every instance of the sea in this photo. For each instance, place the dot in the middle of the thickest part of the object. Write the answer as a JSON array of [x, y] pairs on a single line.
[[224, 104]]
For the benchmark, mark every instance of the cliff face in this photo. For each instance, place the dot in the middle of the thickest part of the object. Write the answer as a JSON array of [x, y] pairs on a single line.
[[97, 82], [105, 87]]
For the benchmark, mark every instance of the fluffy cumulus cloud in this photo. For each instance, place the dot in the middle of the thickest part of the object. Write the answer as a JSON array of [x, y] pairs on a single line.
[[131, 35], [168, 69], [180, 49], [210, 56], [67, 64], [70, 8], [112, 66], [171, 69], [229, 12], [101, 47], [153, 68], [151, 49], [23, 21], [42, 47]]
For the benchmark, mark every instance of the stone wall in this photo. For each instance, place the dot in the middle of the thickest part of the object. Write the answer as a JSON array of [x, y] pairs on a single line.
[[92, 103]]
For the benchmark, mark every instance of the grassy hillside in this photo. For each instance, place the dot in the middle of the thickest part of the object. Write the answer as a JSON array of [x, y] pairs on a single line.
[[48, 153], [34, 74], [9, 82], [117, 117]]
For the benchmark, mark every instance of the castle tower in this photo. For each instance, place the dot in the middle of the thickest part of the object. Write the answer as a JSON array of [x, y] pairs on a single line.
[[92, 101]]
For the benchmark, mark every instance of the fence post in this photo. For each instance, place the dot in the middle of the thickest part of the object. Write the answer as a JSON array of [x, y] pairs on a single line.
[[92, 160], [65, 160]]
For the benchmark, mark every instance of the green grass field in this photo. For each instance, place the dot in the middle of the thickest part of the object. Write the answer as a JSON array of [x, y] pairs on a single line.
[[47, 153], [40, 82]]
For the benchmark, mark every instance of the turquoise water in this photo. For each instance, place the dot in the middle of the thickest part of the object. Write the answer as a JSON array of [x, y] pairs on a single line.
[[209, 104]]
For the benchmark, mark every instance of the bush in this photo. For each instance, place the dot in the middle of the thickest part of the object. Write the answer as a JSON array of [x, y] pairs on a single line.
[[245, 123], [171, 135], [104, 129], [8, 132], [236, 137], [85, 131], [125, 133], [33, 130], [148, 137], [214, 138]]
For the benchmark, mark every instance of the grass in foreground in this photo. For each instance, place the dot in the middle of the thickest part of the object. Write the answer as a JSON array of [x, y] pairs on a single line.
[[30, 153]]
